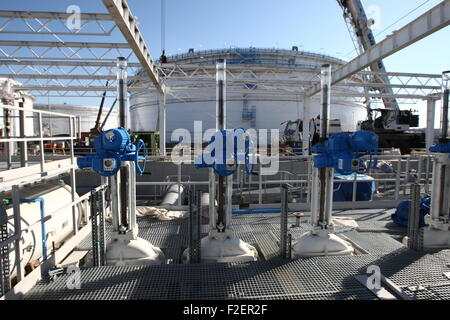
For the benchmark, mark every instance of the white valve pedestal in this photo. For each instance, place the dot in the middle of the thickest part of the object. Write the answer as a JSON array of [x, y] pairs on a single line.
[[436, 235], [320, 243], [128, 249], [223, 248]]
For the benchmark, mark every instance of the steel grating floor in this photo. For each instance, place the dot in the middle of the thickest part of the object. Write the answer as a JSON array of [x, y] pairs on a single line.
[[320, 278]]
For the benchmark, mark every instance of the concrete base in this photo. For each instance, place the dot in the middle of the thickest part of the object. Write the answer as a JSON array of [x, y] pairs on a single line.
[[224, 248], [436, 239], [123, 251], [312, 244]]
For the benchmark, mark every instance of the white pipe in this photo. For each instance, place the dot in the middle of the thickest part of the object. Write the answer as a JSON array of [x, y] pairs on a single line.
[[431, 109], [229, 203], [212, 198], [171, 198], [132, 196]]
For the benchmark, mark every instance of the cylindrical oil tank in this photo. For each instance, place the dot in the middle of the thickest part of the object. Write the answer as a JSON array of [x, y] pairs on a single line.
[[258, 111], [55, 196], [56, 125]]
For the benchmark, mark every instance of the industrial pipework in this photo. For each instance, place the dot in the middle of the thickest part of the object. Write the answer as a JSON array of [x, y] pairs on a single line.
[[341, 153], [117, 157], [226, 150]]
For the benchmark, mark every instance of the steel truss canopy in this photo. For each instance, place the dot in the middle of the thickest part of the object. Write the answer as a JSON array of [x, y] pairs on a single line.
[[186, 82], [65, 67], [127, 23], [433, 20], [31, 22]]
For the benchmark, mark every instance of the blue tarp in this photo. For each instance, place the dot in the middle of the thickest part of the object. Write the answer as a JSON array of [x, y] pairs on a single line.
[[402, 213], [366, 187]]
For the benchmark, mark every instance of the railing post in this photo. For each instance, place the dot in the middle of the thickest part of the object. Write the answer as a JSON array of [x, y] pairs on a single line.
[[41, 142], [397, 179], [17, 231], [284, 223], [23, 144], [414, 219], [5, 281], [73, 177], [195, 206]]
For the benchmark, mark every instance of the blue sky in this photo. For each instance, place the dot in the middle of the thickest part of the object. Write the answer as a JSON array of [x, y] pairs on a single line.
[[316, 26]]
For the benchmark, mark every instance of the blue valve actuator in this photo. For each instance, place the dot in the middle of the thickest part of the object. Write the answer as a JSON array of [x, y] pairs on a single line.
[[342, 151], [111, 148], [224, 156], [441, 148]]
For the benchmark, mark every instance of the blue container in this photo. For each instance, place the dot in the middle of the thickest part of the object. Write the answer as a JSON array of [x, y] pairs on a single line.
[[343, 192]]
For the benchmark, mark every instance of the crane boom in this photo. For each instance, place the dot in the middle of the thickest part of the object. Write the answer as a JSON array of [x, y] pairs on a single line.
[[355, 15]]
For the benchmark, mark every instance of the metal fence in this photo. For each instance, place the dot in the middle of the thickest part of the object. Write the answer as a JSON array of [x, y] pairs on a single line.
[[391, 188]]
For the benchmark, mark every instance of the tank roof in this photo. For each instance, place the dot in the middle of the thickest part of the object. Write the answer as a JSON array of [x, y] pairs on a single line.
[[249, 56]]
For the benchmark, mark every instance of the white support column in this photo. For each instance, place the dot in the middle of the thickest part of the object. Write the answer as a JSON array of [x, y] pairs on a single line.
[[229, 203], [131, 167], [212, 199], [306, 133], [73, 176], [162, 125], [431, 115]]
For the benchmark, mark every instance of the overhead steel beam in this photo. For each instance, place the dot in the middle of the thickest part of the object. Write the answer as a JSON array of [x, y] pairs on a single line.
[[76, 88], [55, 44], [53, 15], [390, 85], [283, 92], [126, 22], [202, 81], [65, 77], [428, 23], [401, 74], [71, 62]]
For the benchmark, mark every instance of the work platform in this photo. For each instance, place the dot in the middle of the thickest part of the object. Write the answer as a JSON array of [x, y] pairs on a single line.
[[376, 240]]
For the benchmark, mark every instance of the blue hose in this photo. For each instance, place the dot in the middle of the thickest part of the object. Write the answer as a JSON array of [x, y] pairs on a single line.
[[44, 235]]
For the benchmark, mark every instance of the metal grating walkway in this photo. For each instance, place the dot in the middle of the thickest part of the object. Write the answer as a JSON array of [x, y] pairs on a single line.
[[271, 278]]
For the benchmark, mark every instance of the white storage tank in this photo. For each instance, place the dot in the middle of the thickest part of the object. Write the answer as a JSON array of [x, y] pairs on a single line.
[[55, 125], [55, 196], [258, 111]]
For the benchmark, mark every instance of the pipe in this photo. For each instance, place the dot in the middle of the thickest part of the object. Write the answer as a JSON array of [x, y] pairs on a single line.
[[221, 125], [44, 233], [325, 174], [122, 99], [171, 197]]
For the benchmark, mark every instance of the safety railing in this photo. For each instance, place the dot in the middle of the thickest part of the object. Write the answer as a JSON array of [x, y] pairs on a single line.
[[391, 187], [22, 166], [252, 51], [81, 229]]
